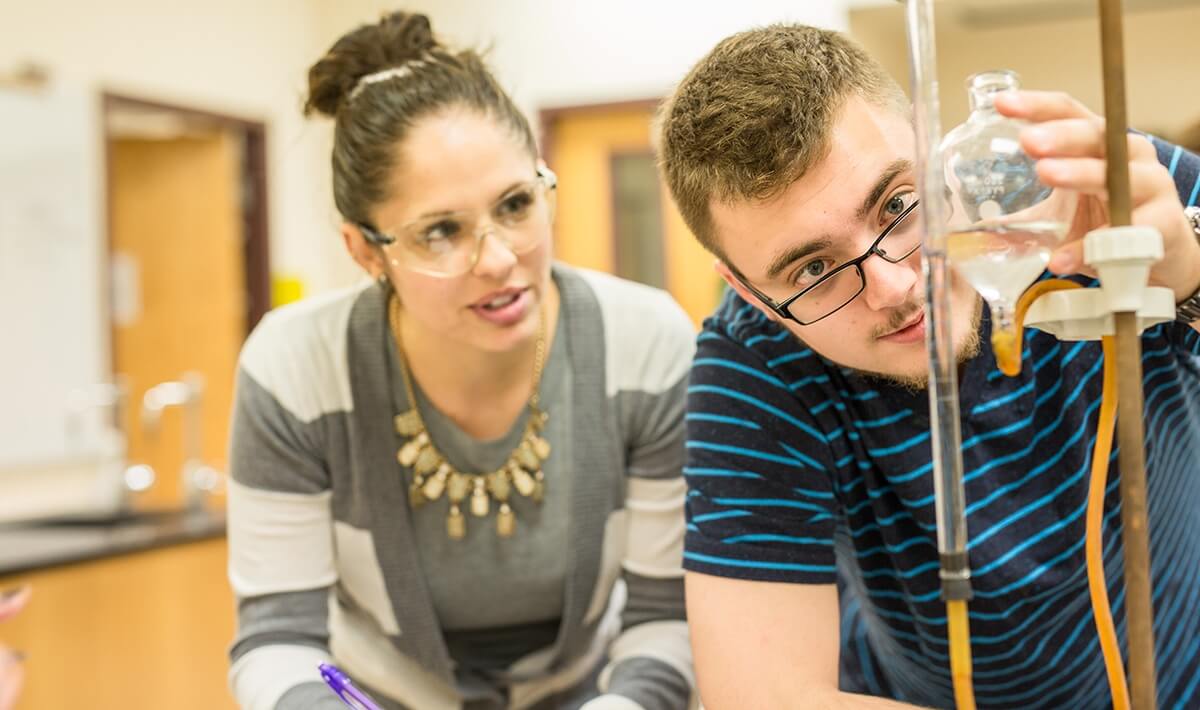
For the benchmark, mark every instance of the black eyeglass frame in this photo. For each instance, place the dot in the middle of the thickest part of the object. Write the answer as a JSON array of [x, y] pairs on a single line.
[[781, 307]]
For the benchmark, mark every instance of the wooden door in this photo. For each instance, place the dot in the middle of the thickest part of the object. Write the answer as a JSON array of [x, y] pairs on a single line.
[[601, 154], [177, 247]]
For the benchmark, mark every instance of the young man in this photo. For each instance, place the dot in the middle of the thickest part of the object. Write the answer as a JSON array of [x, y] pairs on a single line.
[[811, 549]]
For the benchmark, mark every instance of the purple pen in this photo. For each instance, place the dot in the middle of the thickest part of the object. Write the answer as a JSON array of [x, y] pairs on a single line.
[[340, 683]]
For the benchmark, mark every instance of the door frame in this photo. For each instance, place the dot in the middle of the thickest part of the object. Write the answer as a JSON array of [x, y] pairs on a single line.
[[613, 156], [548, 122], [549, 117], [682, 258], [256, 253]]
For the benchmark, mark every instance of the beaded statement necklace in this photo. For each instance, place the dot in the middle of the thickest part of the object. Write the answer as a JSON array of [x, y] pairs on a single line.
[[433, 475]]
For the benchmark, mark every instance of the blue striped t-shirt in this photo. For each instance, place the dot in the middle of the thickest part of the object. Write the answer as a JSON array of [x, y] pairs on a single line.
[[806, 472]]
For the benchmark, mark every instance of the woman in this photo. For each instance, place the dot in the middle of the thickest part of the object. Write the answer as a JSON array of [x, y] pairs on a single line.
[[439, 477]]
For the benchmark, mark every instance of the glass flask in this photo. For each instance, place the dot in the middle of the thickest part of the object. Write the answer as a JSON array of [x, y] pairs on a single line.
[[1004, 222]]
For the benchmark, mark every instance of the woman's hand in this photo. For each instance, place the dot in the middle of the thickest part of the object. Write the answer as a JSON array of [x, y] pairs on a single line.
[[1068, 142], [12, 672]]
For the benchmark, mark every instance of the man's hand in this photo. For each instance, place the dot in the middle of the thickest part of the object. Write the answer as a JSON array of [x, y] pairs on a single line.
[[1068, 142]]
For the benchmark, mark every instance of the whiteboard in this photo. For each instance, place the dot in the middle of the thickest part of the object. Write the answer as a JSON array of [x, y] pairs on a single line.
[[53, 325]]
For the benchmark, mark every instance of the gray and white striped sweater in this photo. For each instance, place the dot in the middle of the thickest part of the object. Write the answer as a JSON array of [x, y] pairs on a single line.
[[324, 550]]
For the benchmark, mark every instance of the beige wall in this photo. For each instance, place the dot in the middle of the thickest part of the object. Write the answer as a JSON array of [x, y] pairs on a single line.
[[250, 59], [566, 52], [1062, 54], [244, 58]]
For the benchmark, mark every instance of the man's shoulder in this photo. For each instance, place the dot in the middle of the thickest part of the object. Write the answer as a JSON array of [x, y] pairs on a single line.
[[739, 320], [742, 350], [740, 329]]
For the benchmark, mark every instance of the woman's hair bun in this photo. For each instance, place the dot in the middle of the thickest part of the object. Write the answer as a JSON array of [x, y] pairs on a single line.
[[398, 38]]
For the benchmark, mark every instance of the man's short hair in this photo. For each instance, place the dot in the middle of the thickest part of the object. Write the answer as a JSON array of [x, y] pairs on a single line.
[[755, 114]]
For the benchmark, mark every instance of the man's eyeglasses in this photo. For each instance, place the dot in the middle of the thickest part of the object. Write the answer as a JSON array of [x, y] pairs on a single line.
[[450, 244], [831, 291]]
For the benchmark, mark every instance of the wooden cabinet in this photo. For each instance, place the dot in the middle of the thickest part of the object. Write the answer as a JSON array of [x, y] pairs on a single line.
[[143, 630]]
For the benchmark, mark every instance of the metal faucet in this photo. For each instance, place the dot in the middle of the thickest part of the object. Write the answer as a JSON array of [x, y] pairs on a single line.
[[199, 479]]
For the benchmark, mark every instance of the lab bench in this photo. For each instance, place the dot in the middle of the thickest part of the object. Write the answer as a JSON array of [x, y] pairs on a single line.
[[129, 612]]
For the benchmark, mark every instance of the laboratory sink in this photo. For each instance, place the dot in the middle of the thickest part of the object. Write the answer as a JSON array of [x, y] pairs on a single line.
[[78, 538], [109, 519]]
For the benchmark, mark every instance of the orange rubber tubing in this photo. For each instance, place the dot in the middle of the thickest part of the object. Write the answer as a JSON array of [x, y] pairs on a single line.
[[1094, 545]]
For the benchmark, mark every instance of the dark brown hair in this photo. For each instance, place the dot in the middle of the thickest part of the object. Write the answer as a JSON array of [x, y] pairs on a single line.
[[755, 114], [372, 118]]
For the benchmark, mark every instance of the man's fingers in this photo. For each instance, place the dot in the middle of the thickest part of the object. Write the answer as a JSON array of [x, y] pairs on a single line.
[[1066, 138], [1089, 176], [1039, 106], [1067, 259], [1078, 138]]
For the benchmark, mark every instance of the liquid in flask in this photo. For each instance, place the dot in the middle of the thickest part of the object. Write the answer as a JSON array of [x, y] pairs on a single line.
[[1004, 222]]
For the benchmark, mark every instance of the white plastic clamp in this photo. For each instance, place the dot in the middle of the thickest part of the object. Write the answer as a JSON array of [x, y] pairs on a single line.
[[1122, 257]]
